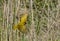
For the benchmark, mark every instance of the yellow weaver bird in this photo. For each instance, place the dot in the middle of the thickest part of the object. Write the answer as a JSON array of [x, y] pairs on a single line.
[[21, 24]]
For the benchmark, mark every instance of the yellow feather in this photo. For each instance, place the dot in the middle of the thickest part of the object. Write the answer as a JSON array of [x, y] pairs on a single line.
[[21, 25], [23, 18]]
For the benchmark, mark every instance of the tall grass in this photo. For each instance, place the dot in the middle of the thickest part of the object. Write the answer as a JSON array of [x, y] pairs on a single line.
[[43, 20]]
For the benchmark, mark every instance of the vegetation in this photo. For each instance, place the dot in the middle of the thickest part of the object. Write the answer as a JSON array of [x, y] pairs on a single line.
[[43, 21]]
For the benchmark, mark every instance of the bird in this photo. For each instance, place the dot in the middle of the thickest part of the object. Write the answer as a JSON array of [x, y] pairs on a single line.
[[21, 24]]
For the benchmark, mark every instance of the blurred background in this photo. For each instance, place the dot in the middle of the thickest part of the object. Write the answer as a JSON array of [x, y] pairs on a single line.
[[43, 20]]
